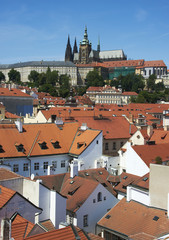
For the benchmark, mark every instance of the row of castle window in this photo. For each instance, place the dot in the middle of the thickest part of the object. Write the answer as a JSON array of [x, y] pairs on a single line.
[[36, 166]]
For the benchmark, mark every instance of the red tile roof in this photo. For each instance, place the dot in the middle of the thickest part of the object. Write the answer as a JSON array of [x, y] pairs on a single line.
[[6, 174], [129, 94], [33, 134], [125, 180], [69, 232], [20, 227], [142, 182], [160, 136], [47, 224], [124, 63], [130, 218], [9, 115], [155, 63], [13, 93], [148, 153], [5, 195]]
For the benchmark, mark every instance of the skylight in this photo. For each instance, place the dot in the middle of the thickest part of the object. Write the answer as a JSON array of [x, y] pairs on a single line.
[[155, 218], [107, 216], [145, 179], [125, 177]]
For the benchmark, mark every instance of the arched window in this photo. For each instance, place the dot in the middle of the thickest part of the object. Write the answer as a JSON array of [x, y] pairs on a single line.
[[99, 197]]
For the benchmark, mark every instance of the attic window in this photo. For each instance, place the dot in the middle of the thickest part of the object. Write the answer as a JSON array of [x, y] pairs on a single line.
[[42, 145], [71, 182], [100, 173], [125, 177], [19, 147], [1, 149], [55, 144], [86, 174], [107, 216], [80, 144], [72, 192], [145, 179], [155, 218]]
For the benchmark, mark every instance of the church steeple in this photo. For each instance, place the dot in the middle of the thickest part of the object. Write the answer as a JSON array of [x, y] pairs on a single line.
[[85, 40], [75, 50], [98, 45], [68, 52]]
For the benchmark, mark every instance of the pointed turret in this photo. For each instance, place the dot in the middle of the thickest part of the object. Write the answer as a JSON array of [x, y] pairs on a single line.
[[75, 50], [85, 39], [68, 52], [98, 45]]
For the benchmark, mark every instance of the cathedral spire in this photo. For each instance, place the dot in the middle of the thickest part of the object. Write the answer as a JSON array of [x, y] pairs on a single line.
[[68, 52], [85, 39], [98, 45]]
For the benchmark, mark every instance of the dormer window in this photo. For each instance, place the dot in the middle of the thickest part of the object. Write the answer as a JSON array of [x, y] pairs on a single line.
[[55, 144], [43, 145], [80, 144], [1, 149], [19, 147]]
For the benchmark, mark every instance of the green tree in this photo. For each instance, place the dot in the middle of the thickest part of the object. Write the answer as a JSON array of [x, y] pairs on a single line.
[[94, 79], [151, 82], [159, 87], [2, 77], [34, 77], [14, 76], [158, 160], [64, 81], [42, 79], [52, 77]]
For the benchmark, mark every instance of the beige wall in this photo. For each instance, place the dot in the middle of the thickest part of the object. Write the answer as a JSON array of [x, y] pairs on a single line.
[[158, 186]]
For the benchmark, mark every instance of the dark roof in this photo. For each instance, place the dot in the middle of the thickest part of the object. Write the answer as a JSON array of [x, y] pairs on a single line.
[[38, 63]]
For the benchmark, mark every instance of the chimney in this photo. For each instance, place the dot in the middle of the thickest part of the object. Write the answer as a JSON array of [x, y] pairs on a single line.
[[149, 131], [19, 126], [73, 168], [6, 229], [84, 127]]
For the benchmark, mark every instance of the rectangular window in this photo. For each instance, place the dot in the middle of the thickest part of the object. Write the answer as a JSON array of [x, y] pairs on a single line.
[[106, 146], [121, 144], [149, 72], [25, 167], [45, 165], [85, 220], [16, 168], [114, 146], [63, 164], [54, 164], [36, 166]]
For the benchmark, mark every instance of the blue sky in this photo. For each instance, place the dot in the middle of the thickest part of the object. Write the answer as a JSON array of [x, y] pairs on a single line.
[[38, 29]]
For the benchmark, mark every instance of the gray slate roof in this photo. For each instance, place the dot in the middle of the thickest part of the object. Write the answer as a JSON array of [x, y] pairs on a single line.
[[38, 64]]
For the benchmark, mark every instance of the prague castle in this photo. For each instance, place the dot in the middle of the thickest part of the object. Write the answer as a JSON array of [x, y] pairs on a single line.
[[87, 55]]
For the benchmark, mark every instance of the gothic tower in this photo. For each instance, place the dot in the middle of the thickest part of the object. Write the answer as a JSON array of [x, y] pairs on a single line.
[[68, 52], [75, 50], [84, 49]]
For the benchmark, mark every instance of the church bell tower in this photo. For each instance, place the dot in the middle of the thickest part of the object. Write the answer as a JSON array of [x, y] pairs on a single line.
[[84, 49]]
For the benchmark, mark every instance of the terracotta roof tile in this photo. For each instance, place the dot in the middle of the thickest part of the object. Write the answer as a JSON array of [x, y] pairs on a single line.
[[13, 93], [130, 218], [160, 136], [59, 234], [6, 174], [142, 182], [129, 94], [32, 134], [48, 225], [148, 153], [125, 180], [20, 227], [5, 195]]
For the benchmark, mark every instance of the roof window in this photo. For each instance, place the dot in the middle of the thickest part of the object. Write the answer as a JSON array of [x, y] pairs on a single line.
[[107, 216], [1, 149], [42, 145], [19, 147], [145, 179], [155, 218], [71, 182], [86, 173], [80, 144], [55, 144], [125, 177]]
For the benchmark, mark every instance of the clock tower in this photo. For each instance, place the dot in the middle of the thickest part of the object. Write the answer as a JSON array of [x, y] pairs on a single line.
[[84, 49]]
